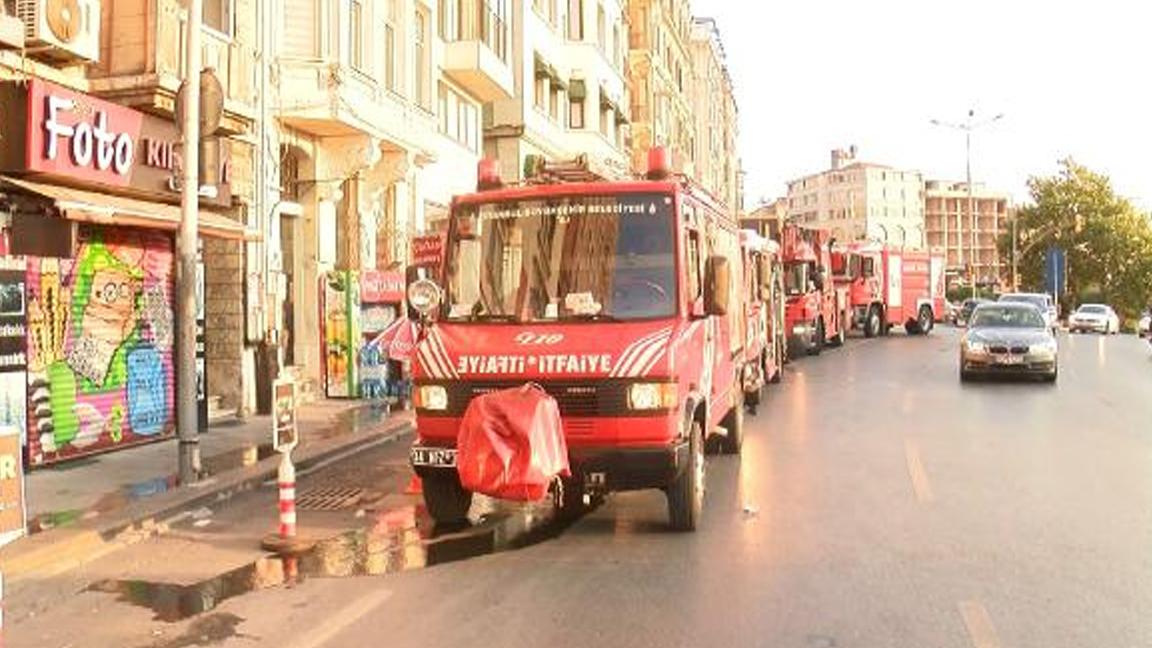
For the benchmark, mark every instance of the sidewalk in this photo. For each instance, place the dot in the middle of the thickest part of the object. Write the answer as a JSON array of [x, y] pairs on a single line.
[[79, 511]]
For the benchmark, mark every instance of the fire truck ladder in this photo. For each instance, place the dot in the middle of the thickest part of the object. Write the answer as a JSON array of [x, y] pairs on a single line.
[[538, 170]]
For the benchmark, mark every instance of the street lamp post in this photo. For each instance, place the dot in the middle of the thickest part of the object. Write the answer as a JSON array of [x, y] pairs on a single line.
[[968, 125]]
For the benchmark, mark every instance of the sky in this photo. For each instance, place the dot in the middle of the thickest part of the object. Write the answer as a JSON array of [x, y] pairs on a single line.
[[1071, 78]]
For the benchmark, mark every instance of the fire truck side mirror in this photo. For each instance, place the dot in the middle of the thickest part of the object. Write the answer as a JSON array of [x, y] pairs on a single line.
[[717, 284]]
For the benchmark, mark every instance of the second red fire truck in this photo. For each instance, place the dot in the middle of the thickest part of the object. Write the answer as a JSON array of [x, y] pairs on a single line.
[[816, 313], [765, 341], [889, 286], [621, 299]]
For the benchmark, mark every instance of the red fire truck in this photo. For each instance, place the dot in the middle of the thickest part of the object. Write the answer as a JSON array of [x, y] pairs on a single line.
[[816, 311], [618, 298], [765, 342], [889, 286]]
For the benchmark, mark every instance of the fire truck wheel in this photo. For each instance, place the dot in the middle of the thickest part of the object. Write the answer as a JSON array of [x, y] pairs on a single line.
[[686, 493], [734, 423], [925, 321], [838, 341], [872, 322], [446, 499], [818, 339]]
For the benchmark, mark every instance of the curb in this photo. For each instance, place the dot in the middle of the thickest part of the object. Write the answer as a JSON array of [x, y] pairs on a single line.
[[56, 551]]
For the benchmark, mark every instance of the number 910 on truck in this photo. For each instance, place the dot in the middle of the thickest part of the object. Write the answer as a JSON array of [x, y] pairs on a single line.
[[621, 299]]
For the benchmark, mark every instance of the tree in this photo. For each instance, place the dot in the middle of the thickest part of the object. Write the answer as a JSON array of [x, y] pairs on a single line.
[[1107, 240]]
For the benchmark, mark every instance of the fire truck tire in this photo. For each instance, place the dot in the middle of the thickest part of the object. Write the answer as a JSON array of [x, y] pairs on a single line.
[[872, 322], [446, 499], [733, 422], [925, 321], [817, 339], [838, 340], [686, 493]]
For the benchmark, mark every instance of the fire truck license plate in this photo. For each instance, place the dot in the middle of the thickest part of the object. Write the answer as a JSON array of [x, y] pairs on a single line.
[[1011, 360], [434, 457]]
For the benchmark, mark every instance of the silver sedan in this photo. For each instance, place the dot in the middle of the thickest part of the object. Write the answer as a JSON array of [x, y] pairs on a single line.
[[1007, 338]]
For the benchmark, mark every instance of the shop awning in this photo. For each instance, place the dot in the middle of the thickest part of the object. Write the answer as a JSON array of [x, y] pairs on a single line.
[[577, 91], [105, 209]]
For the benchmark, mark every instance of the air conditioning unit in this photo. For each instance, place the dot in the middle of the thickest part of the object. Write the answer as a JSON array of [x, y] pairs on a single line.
[[61, 29]]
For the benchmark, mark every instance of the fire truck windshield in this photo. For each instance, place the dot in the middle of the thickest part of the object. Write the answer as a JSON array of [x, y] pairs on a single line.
[[602, 257]]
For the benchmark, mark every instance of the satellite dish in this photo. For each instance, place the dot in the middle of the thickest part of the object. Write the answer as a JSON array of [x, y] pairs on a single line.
[[211, 102], [64, 19]]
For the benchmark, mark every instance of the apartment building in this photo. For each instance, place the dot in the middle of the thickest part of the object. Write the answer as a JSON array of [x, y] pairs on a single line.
[[861, 201], [89, 208], [768, 219], [569, 97], [716, 160], [378, 110], [660, 75], [949, 225]]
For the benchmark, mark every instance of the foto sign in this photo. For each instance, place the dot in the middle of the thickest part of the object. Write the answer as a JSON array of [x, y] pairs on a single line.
[[284, 433]]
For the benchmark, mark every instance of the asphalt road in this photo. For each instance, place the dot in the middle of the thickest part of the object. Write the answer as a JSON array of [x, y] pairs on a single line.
[[878, 503]]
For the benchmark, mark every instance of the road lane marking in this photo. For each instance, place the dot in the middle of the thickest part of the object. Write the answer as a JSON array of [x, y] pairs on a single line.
[[916, 472], [342, 619], [979, 625]]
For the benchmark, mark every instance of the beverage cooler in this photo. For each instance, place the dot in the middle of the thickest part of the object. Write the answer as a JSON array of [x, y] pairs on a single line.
[[357, 307]]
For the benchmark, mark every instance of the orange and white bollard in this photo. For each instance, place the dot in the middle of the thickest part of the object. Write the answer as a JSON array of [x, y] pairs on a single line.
[[286, 478]]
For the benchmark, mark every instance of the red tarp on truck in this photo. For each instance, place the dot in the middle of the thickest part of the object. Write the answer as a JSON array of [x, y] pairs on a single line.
[[511, 444]]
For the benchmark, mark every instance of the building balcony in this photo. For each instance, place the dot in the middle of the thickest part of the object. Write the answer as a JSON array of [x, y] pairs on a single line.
[[474, 65], [477, 51]]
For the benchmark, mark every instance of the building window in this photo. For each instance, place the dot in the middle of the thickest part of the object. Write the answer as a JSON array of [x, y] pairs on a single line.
[[540, 98], [421, 60], [217, 15], [391, 54], [601, 29], [554, 105], [576, 114], [605, 122], [449, 20], [356, 34], [576, 19]]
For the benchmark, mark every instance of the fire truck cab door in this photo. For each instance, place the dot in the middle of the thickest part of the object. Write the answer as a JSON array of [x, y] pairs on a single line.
[[895, 284]]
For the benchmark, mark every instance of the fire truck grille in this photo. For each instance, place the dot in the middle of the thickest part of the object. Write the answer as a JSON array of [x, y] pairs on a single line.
[[576, 399]]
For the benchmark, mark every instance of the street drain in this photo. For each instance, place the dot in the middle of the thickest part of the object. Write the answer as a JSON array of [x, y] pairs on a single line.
[[334, 498]]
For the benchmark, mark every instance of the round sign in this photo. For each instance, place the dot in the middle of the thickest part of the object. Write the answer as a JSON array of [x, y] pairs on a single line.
[[211, 103]]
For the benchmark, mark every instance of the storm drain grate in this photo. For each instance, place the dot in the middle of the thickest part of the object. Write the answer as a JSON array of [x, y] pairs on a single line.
[[328, 499]]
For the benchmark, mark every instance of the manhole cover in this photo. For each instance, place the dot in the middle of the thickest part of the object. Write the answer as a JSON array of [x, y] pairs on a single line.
[[328, 499]]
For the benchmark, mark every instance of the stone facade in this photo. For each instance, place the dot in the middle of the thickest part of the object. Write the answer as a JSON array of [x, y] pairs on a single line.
[[660, 74]]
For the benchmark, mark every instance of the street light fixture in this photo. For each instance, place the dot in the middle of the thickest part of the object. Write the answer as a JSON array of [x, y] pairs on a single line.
[[968, 125]]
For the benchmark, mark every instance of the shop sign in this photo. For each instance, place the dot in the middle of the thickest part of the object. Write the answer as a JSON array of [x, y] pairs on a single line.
[[81, 137], [428, 250], [379, 287]]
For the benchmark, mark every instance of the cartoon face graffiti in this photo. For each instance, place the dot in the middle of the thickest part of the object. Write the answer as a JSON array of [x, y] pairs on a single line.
[[110, 315]]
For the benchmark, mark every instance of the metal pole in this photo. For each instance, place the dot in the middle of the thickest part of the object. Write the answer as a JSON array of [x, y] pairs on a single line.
[[187, 410], [1015, 279], [971, 205]]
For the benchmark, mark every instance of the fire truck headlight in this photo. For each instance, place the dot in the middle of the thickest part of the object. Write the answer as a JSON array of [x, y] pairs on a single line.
[[652, 396], [431, 397], [424, 296]]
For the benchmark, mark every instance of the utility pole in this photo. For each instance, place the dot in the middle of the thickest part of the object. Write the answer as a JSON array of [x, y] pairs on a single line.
[[187, 410], [967, 126]]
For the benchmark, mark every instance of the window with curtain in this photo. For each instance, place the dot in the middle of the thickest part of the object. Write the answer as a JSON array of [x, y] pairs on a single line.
[[391, 53], [421, 60], [356, 34], [217, 15], [576, 19]]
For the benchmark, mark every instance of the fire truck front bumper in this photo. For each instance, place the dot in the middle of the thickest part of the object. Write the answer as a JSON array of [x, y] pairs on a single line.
[[623, 469], [609, 468]]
